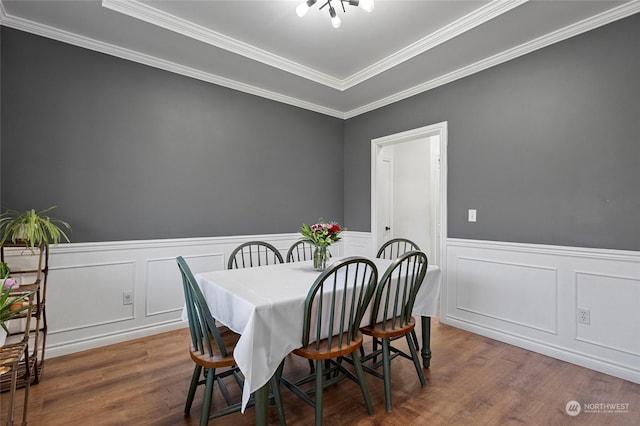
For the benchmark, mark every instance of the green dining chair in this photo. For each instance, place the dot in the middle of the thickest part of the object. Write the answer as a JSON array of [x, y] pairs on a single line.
[[393, 248], [212, 350], [336, 302], [391, 317], [254, 253], [301, 251]]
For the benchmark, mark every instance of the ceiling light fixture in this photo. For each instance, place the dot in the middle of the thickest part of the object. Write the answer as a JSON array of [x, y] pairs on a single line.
[[303, 8]]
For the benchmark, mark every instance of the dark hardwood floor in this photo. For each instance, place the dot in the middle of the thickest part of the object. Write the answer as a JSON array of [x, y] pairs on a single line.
[[473, 380]]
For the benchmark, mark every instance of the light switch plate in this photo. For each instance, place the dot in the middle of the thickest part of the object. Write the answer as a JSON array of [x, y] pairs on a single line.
[[472, 215]]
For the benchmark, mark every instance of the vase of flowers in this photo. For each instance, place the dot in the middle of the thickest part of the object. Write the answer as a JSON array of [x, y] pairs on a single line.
[[321, 235], [320, 256]]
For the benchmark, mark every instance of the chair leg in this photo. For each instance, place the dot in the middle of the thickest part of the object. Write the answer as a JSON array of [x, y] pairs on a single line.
[[327, 366], [12, 394], [415, 339], [319, 388], [416, 360], [364, 388], [374, 348], [192, 388], [27, 379], [386, 370], [206, 403], [275, 389]]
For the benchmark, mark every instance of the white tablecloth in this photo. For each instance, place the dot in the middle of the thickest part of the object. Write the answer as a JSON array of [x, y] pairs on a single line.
[[265, 305]]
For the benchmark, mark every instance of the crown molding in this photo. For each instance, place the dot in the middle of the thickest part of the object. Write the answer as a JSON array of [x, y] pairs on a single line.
[[146, 13], [444, 34], [588, 24], [131, 55], [573, 30], [151, 15]]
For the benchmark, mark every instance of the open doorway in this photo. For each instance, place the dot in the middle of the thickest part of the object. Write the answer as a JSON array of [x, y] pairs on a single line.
[[408, 188]]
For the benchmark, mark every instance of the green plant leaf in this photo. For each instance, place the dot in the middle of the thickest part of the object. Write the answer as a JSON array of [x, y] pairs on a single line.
[[33, 227]]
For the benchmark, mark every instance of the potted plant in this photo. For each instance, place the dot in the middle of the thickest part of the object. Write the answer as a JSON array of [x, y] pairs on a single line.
[[11, 306], [32, 228], [4, 270]]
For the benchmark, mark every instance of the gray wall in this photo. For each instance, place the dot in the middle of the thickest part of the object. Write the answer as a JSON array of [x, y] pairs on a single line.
[[0, 115], [131, 152], [546, 147]]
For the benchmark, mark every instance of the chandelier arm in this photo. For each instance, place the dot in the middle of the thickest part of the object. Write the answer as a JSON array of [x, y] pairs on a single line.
[[323, 6], [302, 8]]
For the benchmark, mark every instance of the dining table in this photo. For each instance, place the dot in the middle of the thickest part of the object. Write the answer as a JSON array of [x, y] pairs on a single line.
[[265, 305]]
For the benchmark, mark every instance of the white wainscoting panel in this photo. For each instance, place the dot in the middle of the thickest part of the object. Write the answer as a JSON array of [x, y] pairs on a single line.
[[519, 294], [358, 244], [162, 294], [529, 295], [86, 290], [613, 305], [86, 283]]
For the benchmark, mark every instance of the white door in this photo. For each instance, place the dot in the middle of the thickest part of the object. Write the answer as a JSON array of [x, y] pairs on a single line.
[[385, 207], [405, 194], [408, 189]]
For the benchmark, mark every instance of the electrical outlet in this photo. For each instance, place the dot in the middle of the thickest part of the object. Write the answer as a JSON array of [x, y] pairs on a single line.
[[584, 316], [127, 298]]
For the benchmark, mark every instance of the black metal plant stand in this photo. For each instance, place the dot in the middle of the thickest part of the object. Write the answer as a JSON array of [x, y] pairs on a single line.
[[31, 270]]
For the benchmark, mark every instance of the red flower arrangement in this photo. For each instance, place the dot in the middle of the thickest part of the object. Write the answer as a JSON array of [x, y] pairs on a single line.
[[321, 234]]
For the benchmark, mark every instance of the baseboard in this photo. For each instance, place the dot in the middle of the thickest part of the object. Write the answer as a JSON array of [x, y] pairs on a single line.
[[544, 348], [79, 345]]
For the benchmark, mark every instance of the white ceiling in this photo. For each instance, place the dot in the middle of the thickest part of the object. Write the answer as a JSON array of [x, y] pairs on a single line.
[[262, 47]]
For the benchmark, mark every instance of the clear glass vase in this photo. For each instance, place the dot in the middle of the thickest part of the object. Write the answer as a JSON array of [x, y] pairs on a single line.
[[320, 256]]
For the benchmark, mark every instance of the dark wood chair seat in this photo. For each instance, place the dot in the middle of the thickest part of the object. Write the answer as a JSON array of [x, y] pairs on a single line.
[[217, 360], [323, 351], [386, 330]]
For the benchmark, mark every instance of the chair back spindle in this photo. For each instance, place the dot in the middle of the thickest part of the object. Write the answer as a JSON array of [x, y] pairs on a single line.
[[337, 302], [397, 290], [254, 253], [392, 249], [300, 251]]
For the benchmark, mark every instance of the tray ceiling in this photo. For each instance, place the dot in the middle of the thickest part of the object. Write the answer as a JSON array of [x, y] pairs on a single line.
[[262, 47]]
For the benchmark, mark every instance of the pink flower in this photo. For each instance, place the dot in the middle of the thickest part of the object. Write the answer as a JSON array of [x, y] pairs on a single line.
[[10, 283]]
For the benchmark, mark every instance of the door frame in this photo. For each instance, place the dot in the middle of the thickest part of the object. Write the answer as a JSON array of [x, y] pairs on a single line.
[[377, 144]]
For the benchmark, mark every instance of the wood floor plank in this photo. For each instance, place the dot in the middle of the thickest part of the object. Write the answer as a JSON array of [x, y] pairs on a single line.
[[472, 380]]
